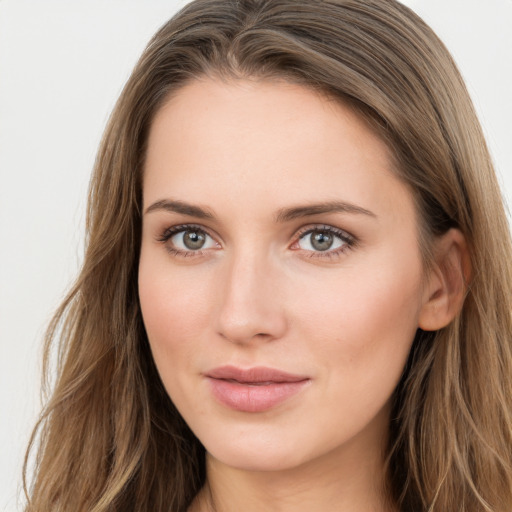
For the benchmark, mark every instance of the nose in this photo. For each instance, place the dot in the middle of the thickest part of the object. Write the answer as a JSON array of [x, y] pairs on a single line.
[[251, 306]]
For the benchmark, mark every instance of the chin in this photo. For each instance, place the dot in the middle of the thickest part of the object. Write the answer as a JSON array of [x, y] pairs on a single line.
[[256, 459], [265, 448]]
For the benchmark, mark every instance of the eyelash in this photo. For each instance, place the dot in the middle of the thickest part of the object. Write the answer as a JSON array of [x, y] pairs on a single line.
[[182, 228], [349, 241]]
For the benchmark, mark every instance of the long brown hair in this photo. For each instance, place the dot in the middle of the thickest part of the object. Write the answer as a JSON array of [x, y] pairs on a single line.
[[110, 439]]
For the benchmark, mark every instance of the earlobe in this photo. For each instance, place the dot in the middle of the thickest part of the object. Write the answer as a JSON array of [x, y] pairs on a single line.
[[447, 282]]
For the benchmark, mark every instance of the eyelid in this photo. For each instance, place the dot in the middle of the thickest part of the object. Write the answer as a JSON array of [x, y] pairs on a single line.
[[178, 228], [342, 233], [349, 240], [171, 231]]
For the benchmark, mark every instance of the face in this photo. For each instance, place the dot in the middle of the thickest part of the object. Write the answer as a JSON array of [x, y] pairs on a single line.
[[280, 275]]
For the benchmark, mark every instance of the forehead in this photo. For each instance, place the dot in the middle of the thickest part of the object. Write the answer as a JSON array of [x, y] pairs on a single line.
[[272, 142]]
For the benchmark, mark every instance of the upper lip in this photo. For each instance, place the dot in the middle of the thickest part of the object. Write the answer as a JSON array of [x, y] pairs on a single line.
[[258, 374]]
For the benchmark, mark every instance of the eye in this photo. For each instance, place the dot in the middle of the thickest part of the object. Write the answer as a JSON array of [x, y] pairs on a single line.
[[187, 239], [319, 241], [324, 239], [192, 240]]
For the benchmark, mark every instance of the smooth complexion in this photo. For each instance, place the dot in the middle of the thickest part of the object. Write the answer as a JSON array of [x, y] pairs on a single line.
[[278, 240]]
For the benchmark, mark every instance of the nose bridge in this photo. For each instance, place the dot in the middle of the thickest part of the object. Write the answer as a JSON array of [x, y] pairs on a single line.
[[250, 307]]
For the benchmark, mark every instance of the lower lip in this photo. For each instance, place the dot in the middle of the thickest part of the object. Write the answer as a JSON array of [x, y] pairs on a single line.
[[254, 397]]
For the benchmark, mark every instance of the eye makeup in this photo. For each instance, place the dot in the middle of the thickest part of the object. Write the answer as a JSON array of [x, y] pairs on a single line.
[[320, 241], [323, 241], [187, 240]]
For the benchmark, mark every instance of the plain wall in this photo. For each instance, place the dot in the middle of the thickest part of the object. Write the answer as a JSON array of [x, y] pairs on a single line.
[[62, 66]]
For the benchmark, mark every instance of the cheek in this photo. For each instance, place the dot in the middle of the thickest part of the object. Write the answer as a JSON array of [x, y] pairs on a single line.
[[175, 308], [365, 321]]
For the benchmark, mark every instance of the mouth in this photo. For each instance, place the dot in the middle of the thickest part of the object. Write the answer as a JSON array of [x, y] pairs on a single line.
[[255, 389]]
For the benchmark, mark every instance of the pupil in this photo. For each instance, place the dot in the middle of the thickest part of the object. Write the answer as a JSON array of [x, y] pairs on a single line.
[[321, 241], [193, 240]]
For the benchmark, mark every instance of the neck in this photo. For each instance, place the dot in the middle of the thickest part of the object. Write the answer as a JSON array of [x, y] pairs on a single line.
[[340, 481]]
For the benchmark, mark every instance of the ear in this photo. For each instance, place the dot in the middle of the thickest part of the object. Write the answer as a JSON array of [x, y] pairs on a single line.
[[447, 282]]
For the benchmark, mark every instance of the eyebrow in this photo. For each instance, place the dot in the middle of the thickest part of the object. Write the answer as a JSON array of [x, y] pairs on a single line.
[[283, 215], [180, 207], [287, 214]]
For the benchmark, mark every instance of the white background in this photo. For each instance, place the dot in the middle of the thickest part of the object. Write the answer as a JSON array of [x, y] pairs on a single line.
[[62, 66]]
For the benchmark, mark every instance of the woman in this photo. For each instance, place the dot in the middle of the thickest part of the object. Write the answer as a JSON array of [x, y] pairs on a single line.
[[295, 294]]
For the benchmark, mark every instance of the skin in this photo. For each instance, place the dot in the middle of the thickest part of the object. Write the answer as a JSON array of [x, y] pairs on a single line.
[[259, 294]]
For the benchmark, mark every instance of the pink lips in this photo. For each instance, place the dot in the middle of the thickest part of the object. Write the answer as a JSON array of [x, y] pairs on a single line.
[[254, 390]]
